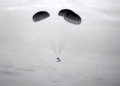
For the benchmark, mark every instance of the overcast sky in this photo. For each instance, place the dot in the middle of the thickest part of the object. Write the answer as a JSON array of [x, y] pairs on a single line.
[[90, 52]]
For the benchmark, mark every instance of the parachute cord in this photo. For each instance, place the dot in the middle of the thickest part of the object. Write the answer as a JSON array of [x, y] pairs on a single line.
[[52, 43], [57, 42]]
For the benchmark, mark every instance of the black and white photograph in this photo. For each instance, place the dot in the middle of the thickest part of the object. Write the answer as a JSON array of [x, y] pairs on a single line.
[[59, 42]]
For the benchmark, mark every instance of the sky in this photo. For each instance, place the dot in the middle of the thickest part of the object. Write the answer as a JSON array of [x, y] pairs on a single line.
[[90, 52]]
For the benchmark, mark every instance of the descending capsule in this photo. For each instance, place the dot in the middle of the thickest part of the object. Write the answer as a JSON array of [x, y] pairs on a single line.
[[40, 16], [73, 18], [63, 12]]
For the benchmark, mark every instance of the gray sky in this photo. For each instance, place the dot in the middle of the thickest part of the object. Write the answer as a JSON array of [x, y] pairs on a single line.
[[90, 52]]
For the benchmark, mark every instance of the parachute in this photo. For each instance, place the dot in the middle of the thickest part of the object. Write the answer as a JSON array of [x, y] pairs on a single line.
[[73, 18], [63, 12], [70, 16], [40, 16]]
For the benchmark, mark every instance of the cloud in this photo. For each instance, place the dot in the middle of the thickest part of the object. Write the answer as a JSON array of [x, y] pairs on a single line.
[[25, 69], [28, 4], [10, 73], [6, 66], [57, 81]]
